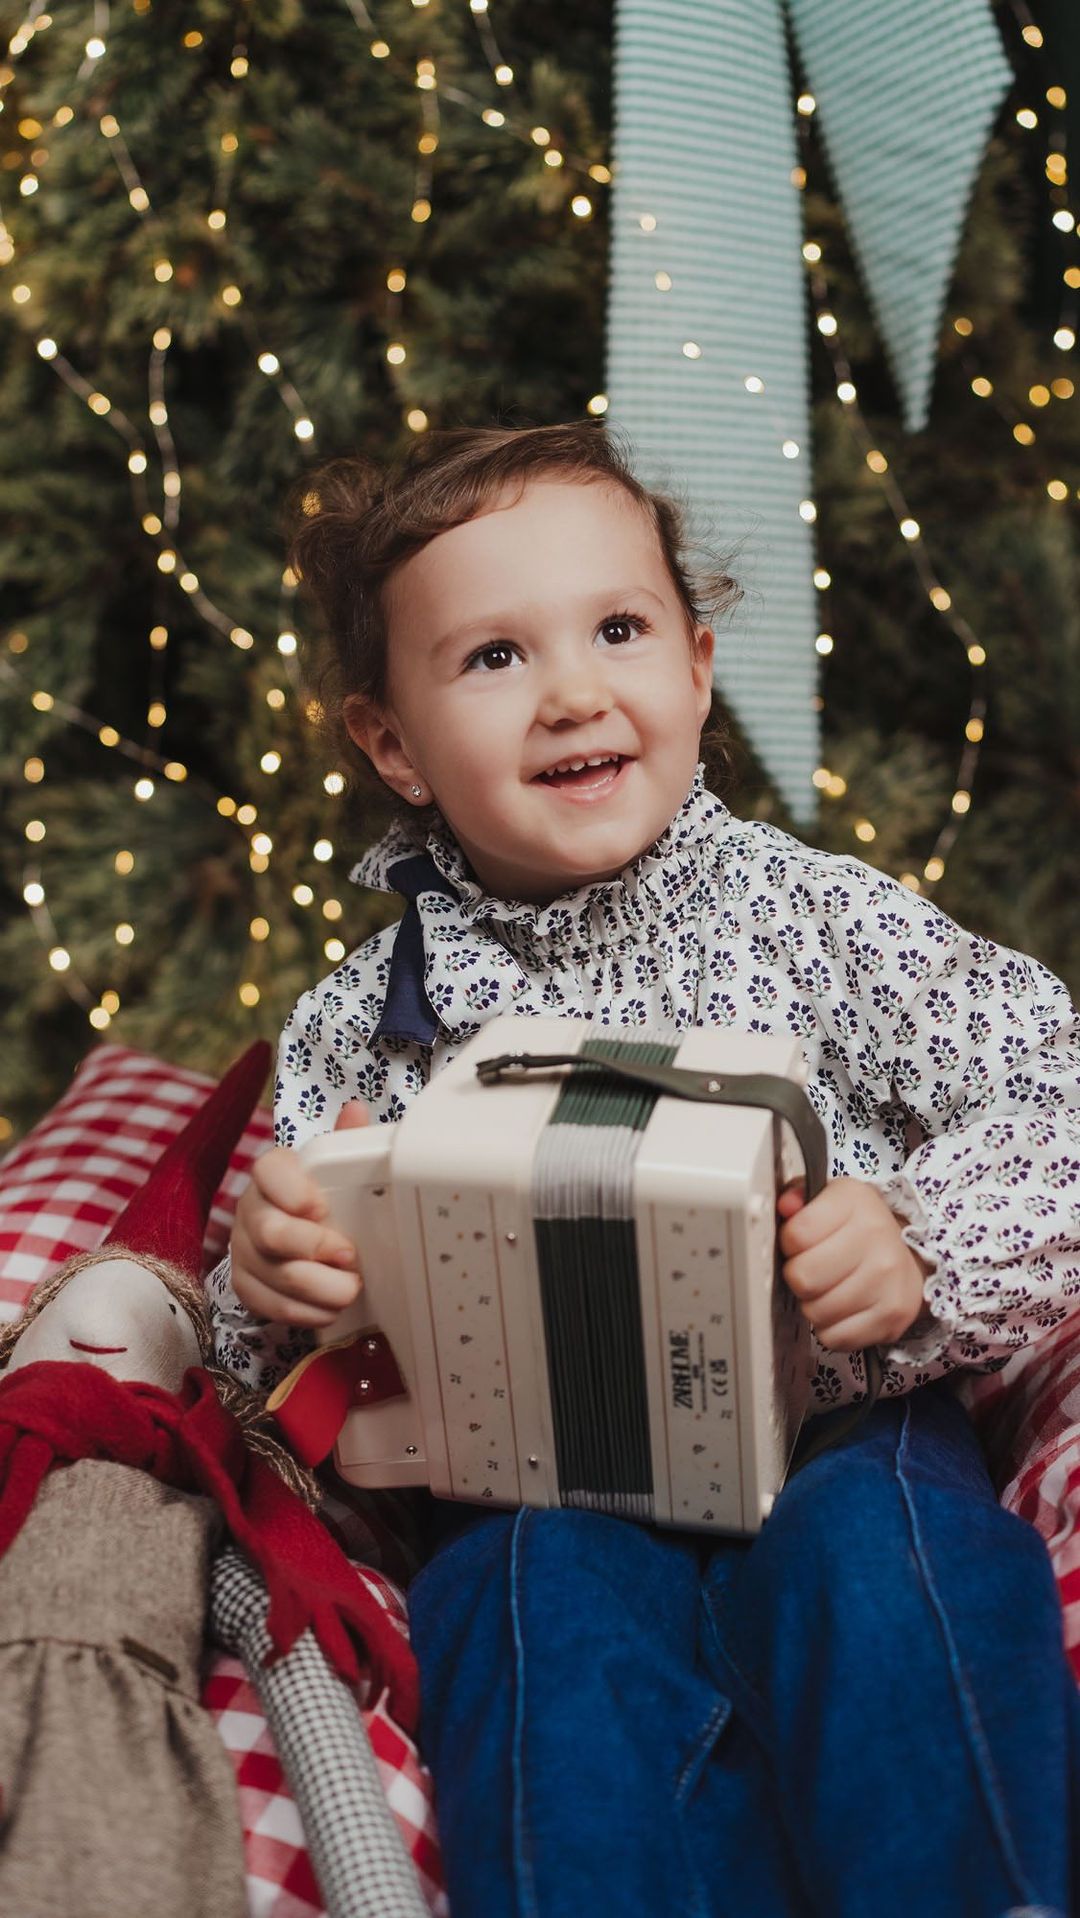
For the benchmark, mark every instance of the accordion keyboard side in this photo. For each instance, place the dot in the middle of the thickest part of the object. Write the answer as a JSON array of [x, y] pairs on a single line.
[[380, 1445], [463, 1172], [729, 1352], [724, 1349]]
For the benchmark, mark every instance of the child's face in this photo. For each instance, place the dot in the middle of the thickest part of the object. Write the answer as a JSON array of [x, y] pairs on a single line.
[[542, 632]]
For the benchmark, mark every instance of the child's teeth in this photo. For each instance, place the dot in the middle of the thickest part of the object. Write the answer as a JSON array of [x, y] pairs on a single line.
[[578, 765]]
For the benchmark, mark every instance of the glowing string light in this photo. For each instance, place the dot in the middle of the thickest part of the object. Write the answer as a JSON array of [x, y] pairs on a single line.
[[938, 595], [162, 527]]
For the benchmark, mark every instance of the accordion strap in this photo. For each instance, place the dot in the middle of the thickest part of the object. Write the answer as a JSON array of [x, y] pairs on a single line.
[[768, 1089]]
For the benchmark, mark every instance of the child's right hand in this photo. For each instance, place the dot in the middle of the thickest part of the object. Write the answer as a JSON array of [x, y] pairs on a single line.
[[289, 1261]]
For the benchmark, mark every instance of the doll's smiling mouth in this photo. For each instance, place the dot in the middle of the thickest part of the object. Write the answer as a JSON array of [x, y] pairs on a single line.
[[100, 1350]]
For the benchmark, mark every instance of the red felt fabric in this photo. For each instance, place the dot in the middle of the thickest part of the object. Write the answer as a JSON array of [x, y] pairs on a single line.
[[311, 1404], [53, 1412], [166, 1217]]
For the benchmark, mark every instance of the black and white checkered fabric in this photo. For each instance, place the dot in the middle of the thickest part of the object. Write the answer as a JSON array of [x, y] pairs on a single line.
[[356, 1849]]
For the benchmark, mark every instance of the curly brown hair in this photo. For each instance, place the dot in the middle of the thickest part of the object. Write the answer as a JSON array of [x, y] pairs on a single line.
[[352, 523]]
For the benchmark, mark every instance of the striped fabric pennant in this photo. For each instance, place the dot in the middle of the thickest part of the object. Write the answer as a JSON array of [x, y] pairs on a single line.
[[704, 147], [907, 91], [708, 367]]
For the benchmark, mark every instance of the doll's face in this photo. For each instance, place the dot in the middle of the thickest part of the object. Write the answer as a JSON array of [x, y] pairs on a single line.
[[116, 1314]]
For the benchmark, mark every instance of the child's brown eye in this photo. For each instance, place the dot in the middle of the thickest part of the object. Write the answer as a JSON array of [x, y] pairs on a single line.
[[493, 658], [619, 630]]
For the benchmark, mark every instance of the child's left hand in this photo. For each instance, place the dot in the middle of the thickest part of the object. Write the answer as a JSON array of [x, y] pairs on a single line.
[[856, 1281]]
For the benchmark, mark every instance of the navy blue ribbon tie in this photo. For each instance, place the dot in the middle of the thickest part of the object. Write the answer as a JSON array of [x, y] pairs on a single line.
[[408, 1013]]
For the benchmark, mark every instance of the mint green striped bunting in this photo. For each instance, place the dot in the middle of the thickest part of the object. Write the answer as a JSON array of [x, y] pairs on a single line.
[[907, 91], [704, 148], [705, 145]]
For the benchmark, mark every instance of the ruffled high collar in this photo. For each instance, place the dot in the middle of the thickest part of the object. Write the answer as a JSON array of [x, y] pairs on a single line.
[[656, 888]]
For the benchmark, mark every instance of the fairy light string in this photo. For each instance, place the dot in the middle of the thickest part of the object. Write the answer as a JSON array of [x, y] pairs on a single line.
[[1054, 386], [171, 563], [1058, 386], [242, 816], [936, 591], [160, 519], [149, 763], [830, 784]]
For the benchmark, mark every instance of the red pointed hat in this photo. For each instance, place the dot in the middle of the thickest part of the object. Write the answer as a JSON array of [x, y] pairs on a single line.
[[167, 1216]]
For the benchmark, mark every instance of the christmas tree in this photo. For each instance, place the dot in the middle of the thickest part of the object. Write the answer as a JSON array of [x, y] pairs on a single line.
[[232, 251], [230, 259]]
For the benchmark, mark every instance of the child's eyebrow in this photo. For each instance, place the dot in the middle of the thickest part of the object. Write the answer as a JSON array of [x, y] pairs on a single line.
[[495, 625]]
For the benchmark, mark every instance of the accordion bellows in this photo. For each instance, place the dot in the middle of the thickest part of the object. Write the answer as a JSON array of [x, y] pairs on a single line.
[[579, 1281]]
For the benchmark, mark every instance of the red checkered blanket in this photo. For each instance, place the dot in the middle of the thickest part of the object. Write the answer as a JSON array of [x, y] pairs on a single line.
[[1029, 1419], [60, 1190]]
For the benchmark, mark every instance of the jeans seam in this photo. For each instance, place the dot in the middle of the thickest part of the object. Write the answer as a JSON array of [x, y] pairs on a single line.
[[700, 1904], [717, 1610], [523, 1869], [695, 1760], [969, 1714]]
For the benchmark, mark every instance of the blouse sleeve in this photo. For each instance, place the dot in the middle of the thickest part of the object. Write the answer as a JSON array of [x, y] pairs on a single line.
[[324, 1059], [257, 1351], [982, 1048]]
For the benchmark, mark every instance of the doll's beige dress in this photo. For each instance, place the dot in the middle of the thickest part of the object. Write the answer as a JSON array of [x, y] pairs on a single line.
[[117, 1796]]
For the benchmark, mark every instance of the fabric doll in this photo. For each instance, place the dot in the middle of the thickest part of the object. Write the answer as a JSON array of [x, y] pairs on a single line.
[[123, 1463]]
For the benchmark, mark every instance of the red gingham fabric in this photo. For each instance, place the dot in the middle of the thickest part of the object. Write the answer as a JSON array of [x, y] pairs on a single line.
[[63, 1186], [1029, 1419], [61, 1189]]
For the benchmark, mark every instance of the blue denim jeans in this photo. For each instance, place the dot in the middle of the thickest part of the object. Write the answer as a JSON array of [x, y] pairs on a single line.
[[866, 1712]]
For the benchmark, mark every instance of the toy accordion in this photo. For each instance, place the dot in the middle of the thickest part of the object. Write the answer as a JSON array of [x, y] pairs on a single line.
[[571, 1251]]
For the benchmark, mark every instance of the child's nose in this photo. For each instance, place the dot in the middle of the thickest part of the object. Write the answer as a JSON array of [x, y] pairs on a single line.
[[576, 691]]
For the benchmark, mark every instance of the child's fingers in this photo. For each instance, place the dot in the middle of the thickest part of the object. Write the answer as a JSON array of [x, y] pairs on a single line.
[[302, 1292], [853, 1334], [834, 1303], [851, 1316], [352, 1114], [791, 1198], [279, 1177], [826, 1267], [275, 1236]]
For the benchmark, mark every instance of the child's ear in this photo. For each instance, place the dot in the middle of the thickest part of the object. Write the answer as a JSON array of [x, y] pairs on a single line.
[[374, 729], [701, 671]]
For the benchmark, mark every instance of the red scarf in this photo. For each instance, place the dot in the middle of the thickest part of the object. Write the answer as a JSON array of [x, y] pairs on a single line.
[[52, 1412]]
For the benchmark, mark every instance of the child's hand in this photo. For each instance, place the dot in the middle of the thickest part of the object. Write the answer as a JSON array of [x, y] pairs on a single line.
[[855, 1279], [289, 1261]]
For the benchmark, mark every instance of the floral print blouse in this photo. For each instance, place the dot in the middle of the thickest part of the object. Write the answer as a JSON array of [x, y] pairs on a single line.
[[946, 1069]]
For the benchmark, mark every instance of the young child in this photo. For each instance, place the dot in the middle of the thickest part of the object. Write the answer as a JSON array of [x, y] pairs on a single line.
[[865, 1710]]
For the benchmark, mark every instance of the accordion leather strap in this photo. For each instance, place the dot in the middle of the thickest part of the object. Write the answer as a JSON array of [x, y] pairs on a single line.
[[766, 1089], [708, 1088]]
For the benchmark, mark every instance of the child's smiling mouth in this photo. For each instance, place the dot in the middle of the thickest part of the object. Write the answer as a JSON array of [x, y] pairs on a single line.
[[583, 778]]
